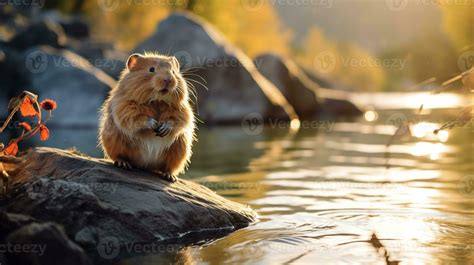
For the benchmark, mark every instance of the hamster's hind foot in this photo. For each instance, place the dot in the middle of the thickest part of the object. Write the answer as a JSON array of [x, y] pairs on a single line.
[[123, 164], [169, 177]]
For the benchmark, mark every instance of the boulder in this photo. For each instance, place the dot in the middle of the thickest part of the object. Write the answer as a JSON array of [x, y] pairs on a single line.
[[75, 27], [103, 56], [97, 202], [306, 93], [288, 78], [12, 79], [44, 243], [235, 87], [79, 88], [45, 32]]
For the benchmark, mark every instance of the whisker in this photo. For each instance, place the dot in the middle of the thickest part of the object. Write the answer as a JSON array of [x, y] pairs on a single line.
[[202, 78]]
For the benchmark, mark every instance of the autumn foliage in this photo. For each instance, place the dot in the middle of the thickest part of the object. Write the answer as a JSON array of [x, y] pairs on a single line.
[[29, 107]]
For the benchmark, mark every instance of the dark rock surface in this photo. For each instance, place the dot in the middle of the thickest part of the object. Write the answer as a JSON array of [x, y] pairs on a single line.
[[44, 243], [235, 87], [24, 240], [46, 32], [287, 77], [95, 201]]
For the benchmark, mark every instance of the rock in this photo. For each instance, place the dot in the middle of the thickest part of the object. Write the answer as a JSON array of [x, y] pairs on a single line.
[[307, 97], [12, 79], [103, 56], [290, 80], [46, 32], [319, 80], [235, 87], [44, 243], [339, 108], [79, 88], [75, 28], [10, 222], [96, 201]]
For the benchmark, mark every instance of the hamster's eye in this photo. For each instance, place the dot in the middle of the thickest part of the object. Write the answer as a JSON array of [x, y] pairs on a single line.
[[152, 69]]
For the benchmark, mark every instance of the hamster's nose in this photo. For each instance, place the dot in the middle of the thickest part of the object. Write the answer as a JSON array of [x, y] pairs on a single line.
[[167, 81]]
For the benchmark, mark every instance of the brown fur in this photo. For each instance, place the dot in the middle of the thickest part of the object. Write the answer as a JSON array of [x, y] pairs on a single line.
[[124, 135]]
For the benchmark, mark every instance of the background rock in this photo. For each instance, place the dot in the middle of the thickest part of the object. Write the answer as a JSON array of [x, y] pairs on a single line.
[[49, 245], [45, 32], [286, 76], [235, 87], [79, 88]]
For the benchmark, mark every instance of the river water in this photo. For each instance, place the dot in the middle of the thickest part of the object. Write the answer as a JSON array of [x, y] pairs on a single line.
[[334, 193]]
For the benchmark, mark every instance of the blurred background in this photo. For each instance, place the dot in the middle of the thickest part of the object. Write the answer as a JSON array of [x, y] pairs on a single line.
[[334, 119]]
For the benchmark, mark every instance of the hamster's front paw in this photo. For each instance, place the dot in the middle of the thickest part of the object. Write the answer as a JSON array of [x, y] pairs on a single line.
[[151, 124], [163, 129]]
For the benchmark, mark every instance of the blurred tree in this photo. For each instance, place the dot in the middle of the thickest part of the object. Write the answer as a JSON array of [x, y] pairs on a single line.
[[458, 22], [348, 64], [255, 29]]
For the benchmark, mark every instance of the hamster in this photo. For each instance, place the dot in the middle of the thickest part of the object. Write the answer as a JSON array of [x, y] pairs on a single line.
[[147, 122]]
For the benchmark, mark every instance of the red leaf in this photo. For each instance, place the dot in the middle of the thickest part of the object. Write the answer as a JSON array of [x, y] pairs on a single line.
[[25, 126], [44, 132], [11, 149], [27, 109], [49, 104]]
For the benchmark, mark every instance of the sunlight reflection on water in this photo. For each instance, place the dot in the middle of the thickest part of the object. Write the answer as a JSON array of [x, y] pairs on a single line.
[[320, 195]]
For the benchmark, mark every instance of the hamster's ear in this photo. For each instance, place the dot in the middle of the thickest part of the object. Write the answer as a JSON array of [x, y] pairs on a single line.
[[132, 62], [175, 62]]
